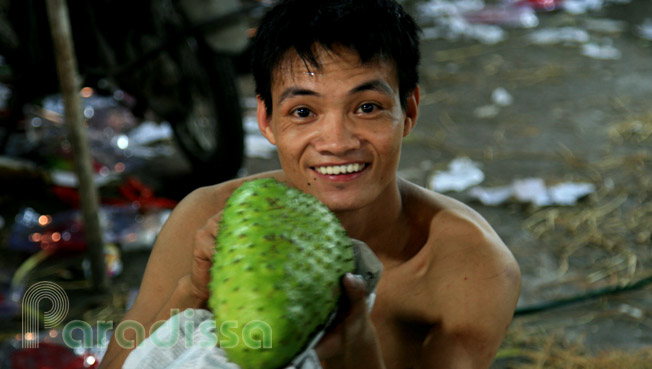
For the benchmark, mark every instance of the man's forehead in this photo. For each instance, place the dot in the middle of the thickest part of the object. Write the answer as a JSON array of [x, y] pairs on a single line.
[[292, 66]]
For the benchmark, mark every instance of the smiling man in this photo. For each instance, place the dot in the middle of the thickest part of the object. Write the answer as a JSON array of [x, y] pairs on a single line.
[[337, 92], [338, 129]]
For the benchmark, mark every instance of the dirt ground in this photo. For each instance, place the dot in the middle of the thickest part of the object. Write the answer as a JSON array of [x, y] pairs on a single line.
[[571, 118]]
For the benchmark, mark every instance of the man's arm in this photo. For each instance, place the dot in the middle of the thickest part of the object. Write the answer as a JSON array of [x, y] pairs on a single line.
[[177, 271], [470, 338], [474, 326], [482, 284]]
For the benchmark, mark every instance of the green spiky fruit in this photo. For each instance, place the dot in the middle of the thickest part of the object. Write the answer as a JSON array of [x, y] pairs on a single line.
[[280, 254]]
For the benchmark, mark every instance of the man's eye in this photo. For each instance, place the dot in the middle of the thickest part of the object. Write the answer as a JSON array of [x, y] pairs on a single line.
[[302, 112], [368, 108]]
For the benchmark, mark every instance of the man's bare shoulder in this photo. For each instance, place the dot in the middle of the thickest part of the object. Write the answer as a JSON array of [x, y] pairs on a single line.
[[205, 201], [464, 252], [452, 227]]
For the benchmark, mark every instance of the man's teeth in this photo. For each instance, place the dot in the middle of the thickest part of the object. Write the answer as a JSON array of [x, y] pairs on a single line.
[[340, 169]]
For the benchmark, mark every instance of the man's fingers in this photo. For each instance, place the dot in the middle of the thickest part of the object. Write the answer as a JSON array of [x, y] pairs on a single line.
[[351, 322], [205, 238], [213, 223], [355, 288], [203, 250], [331, 344], [204, 245]]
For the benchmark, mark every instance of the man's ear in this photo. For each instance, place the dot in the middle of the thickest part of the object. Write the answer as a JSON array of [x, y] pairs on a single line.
[[411, 111], [264, 121]]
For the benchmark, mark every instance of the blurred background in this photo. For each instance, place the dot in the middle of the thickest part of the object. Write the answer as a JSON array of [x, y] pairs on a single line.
[[534, 112]]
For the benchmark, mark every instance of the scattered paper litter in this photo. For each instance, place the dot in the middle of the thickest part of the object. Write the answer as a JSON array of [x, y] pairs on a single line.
[[568, 193], [256, 145], [501, 97], [605, 25], [492, 196], [562, 35], [582, 6], [486, 111], [462, 173], [445, 19], [533, 191], [603, 52], [644, 30]]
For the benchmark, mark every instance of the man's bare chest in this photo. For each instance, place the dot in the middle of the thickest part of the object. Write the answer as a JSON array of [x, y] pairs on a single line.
[[402, 315]]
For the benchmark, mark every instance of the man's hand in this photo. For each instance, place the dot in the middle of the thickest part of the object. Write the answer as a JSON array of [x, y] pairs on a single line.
[[352, 341], [202, 258]]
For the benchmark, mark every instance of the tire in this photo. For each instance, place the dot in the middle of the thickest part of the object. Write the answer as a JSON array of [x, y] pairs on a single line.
[[210, 132]]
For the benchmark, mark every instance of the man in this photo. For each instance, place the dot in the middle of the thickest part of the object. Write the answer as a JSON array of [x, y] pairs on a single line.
[[337, 92]]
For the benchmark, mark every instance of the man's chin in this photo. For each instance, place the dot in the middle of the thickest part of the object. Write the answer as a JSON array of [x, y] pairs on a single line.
[[338, 197], [341, 204]]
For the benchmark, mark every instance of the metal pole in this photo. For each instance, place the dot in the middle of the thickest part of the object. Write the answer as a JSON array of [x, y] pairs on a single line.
[[69, 81]]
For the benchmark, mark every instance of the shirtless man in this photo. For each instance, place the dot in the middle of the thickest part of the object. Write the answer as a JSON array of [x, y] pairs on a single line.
[[337, 92]]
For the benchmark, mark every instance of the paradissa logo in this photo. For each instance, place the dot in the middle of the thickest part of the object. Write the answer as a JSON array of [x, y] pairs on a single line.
[[255, 334], [193, 330]]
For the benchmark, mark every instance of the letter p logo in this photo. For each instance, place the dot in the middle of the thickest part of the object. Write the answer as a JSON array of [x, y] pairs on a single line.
[[31, 315]]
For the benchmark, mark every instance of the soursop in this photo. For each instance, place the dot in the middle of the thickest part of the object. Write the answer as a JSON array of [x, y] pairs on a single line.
[[280, 254]]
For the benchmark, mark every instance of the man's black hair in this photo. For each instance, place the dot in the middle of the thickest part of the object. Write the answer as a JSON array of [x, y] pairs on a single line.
[[375, 29]]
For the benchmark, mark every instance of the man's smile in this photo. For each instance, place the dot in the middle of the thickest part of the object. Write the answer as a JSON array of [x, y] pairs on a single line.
[[350, 168]]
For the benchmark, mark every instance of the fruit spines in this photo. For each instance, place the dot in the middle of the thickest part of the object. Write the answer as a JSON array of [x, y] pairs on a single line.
[[279, 256]]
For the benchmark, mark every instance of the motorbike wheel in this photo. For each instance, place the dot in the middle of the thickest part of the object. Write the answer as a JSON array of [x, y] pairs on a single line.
[[210, 134]]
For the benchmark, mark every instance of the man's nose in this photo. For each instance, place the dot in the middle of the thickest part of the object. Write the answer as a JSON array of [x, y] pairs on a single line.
[[337, 136]]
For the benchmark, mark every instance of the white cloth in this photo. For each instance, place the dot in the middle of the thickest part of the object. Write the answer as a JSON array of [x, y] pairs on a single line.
[[187, 341]]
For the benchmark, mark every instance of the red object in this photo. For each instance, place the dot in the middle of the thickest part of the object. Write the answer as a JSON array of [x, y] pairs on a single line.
[[49, 356], [542, 5], [133, 190], [136, 191]]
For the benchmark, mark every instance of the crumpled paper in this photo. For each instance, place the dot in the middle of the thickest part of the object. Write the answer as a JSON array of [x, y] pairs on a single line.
[[533, 191], [462, 173]]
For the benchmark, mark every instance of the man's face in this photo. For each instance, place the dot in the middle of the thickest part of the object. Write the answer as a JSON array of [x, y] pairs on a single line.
[[338, 130]]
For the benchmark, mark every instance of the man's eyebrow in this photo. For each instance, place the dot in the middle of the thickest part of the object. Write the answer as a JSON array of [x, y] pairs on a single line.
[[376, 85], [296, 91]]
